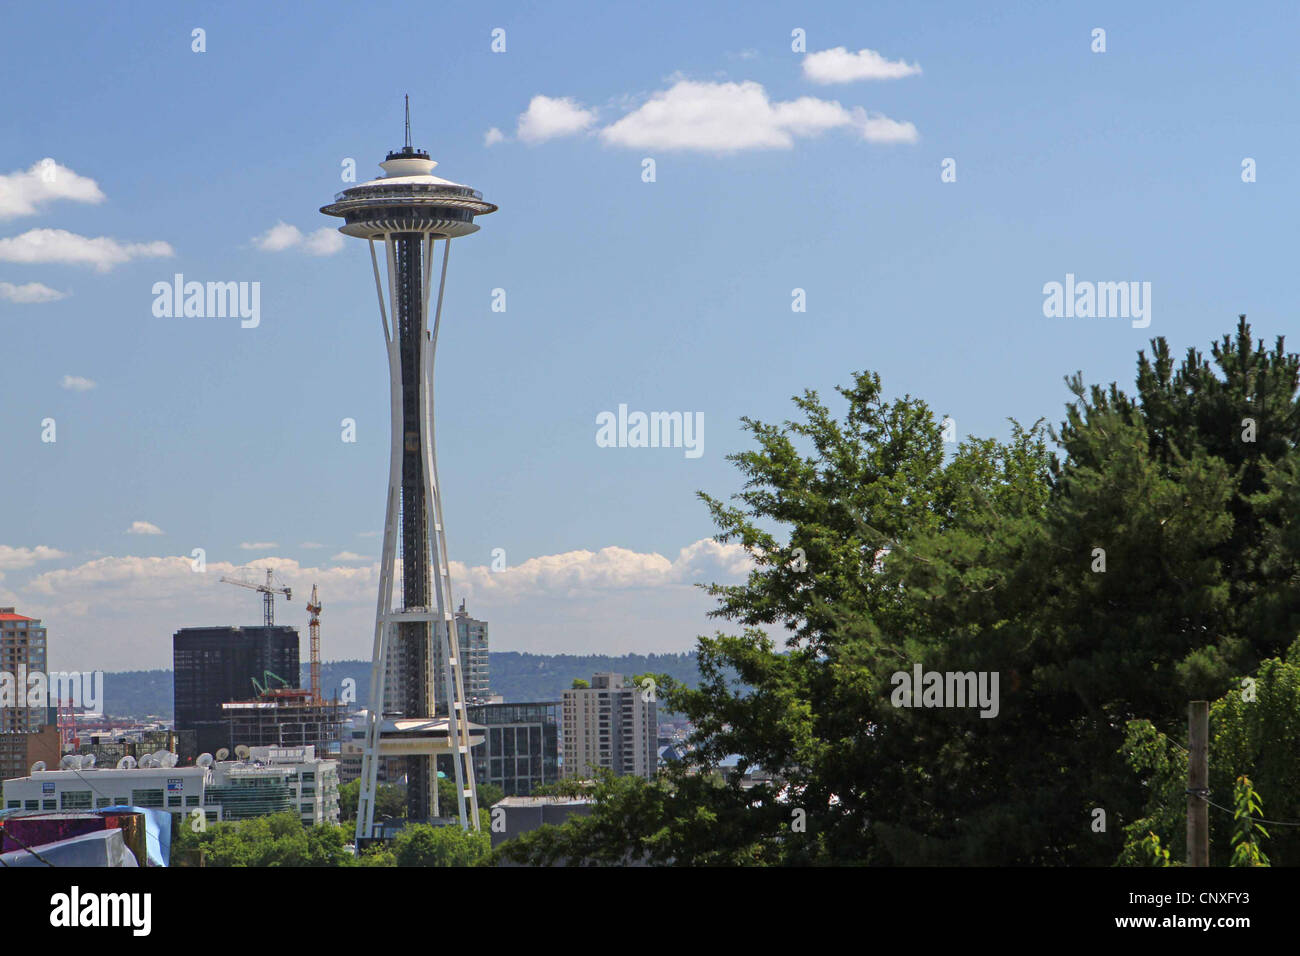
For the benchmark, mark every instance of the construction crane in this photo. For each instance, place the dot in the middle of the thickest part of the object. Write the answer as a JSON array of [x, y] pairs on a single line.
[[268, 591], [265, 684], [313, 629]]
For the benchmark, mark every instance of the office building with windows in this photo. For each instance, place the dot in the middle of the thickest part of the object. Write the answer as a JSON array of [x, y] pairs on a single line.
[[214, 665], [520, 748]]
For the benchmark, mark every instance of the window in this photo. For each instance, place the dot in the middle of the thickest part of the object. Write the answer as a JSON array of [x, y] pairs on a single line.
[[101, 802], [147, 798], [74, 800], [191, 801], [13, 805], [49, 804], [174, 801], [31, 804], [119, 801]]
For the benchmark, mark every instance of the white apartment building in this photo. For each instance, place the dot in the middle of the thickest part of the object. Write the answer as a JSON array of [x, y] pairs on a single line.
[[609, 726]]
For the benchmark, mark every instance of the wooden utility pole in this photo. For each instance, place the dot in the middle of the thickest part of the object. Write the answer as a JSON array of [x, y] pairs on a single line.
[[1198, 783]]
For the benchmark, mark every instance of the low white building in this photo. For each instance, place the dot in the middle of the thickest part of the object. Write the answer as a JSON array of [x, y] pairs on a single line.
[[271, 780], [165, 788]]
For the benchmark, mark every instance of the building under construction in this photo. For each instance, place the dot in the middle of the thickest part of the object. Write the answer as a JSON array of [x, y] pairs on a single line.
[[286, 717]]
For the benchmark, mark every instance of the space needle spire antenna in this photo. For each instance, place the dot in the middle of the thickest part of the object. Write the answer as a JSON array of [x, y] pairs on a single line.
[[404, 215]]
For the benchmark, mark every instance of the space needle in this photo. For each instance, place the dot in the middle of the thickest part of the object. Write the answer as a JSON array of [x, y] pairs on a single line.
[[407, 212]]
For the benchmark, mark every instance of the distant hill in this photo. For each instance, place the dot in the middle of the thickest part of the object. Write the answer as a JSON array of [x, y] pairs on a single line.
[[515, 676]]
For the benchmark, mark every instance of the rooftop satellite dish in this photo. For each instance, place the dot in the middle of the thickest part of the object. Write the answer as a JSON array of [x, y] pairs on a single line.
[[242, 751], [146, 762], [205, 760], [88, 762], [70, 762], [170, 760], [223, 753], [159, 758], [38, 766], [126, 763]]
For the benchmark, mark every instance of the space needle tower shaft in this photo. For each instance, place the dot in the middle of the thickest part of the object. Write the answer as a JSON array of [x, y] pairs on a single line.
[[404, 216]]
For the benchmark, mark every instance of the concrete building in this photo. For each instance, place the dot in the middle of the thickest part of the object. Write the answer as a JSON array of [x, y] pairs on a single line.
[[272, 780], [19, 751], [213, 665], [609, 726], [164, 788], [286, 717], [22, 652], [472, 635], [515, 816], [520, 748]]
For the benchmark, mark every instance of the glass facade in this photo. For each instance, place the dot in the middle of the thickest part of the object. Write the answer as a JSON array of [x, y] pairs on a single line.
[[520, 748]]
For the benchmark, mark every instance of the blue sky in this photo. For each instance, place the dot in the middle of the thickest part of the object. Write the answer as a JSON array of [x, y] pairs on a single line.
[[665, 295]]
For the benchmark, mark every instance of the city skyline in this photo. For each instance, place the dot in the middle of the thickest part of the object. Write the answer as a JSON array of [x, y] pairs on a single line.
[[178, 433]]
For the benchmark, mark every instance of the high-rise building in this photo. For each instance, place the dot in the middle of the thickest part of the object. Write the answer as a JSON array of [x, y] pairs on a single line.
[[213, 665], [609, 726], [27, 731], [520, 748], [472, 639], [22, 653]]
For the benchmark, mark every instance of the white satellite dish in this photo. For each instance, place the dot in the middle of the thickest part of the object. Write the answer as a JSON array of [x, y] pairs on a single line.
[[170, 760], [205, 760], [159, 758], [223, 753], [88, 762], [38, 766], [146, 762], [70, 762], [126, 763], [242, 752]]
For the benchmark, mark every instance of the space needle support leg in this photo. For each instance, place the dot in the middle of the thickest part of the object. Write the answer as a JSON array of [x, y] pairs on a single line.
[[454, 686]]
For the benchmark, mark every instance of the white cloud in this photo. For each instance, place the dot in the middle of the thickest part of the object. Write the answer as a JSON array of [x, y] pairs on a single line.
[[23, 192], [279, 237], [144, 527], [548, 117], [841, 66], [311, 545], [349, 556], [109, 613], [493, 136], [609, 568], [878, 128], [324, 241], [728, 117], [29, 293], [75, 383], [17, 559], [258, 545], [61, 246]]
